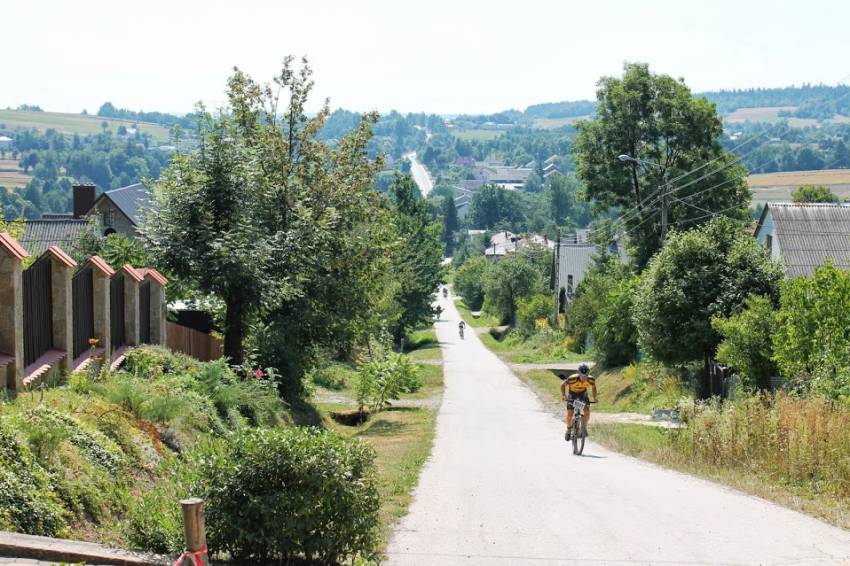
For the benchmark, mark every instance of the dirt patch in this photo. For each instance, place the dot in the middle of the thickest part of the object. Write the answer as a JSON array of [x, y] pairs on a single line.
[[350, 418]]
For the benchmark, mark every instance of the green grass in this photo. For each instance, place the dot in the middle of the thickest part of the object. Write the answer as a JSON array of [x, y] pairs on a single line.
[[477, 134], [660, 446], [483, 320], [73, 123], [555, 123], [423, 345], [538, 349]]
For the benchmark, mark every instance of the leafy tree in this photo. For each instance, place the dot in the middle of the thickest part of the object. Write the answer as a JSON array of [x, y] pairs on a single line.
[[469, 281], [264, 215], [494, 207], [813, 330], [614, 333], [450, 223], [747, 341], [508, 281], [813, 193], [417, 263], [656, 119], [699, 274]]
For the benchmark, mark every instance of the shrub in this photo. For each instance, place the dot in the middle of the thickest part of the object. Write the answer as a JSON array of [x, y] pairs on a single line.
[[531, 311], [469, 281], [382, 380], [746, 344], [279, 495]]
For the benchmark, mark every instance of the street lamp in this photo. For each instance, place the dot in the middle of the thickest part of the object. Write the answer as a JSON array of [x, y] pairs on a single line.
[[663, 188]]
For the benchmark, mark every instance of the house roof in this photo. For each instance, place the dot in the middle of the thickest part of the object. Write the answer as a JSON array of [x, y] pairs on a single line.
[[130, 200], [41, 234], [810, 233], [8, 243]]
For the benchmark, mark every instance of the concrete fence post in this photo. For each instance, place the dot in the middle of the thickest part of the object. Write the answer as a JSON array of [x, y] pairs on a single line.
[[101, 275], [61, 266], [158, 312], [132, 280], [194, 531], [11, 313]]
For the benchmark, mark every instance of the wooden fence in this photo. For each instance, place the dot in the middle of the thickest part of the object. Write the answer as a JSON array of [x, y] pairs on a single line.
[[145, 313], [200, 346], [116, 312], [82, 289]]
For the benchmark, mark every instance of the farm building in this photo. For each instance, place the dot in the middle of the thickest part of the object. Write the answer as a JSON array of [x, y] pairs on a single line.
[[804, 235]]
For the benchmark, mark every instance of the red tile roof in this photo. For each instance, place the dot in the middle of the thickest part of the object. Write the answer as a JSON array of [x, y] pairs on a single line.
[[9, 244], [98, 263], [153, 274], [135, 275], [57, 252]]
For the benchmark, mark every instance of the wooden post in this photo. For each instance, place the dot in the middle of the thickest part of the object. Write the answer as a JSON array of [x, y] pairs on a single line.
[[193, 528]]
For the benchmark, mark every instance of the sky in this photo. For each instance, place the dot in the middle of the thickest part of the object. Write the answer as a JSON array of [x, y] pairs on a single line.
[[441, 56]]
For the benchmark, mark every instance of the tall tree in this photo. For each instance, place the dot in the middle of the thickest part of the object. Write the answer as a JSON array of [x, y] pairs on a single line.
[[450, 223], [417, 261], [699, 274], [813, 193], [273, 222], [655, 118]]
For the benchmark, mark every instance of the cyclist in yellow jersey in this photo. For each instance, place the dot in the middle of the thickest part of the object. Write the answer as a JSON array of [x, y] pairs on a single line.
[[575, 387]]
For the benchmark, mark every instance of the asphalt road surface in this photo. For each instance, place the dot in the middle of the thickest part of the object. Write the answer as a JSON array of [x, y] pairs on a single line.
[[420, 174], [503, 488]]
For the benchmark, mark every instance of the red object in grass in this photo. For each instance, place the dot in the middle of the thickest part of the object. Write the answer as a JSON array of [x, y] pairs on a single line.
[[258, 373]]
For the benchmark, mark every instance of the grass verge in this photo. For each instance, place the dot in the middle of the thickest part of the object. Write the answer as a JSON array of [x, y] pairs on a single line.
[[483, 320], [663, 447]]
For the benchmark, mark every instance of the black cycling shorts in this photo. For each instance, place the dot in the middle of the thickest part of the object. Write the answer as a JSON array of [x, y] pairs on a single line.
[[580, 396]]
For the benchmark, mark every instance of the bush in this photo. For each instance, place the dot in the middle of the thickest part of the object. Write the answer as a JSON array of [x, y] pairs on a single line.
[[279, 495], [469, 281], [383, 380], [533, 313], [746, 344]]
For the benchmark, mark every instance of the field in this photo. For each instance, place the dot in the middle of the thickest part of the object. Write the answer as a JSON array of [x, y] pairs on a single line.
[[771, 115], [11, 176], [555, 123], [71, 123], [778, 186], [477, 134]]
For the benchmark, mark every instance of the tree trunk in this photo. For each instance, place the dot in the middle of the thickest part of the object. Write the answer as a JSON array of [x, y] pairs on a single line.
[[234, 328]]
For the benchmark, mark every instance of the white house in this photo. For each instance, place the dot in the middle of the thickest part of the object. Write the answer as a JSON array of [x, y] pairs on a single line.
[[803, 235]]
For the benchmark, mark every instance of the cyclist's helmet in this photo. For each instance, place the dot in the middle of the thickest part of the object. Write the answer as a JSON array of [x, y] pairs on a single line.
[[583, 369]]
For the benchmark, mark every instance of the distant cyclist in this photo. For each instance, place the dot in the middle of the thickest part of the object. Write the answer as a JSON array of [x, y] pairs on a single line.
[[445, 292], [460, 326], [575, 387]]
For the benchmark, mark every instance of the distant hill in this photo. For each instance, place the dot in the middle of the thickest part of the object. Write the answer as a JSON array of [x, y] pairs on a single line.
[[73, 123]]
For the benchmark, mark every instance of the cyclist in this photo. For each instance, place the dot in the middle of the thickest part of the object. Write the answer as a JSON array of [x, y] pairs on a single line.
[[575, 387], [460, 326], [445, 292]]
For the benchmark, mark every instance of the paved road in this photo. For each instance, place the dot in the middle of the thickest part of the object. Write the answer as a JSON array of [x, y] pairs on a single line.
[[502, 488], [420, 174]]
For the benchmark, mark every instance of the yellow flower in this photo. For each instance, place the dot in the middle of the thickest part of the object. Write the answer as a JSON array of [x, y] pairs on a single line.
[[93, 342]]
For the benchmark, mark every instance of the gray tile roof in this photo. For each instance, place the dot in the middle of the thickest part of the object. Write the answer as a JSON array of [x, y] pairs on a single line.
[[41, 234], [808, 234], [130, 200]]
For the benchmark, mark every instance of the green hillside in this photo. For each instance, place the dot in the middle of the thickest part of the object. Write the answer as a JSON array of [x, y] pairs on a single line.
[[71, 123]]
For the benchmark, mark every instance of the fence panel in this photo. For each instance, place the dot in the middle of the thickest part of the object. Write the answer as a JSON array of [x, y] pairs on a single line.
[[38, 311], [145, 313], [189, 341], [116, 312], [82, 292]]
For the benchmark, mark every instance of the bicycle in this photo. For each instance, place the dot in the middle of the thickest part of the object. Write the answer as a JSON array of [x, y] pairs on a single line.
[[579, 430], [460, 331]]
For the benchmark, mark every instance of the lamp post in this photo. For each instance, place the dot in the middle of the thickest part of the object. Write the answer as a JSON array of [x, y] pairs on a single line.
[[663, 188]]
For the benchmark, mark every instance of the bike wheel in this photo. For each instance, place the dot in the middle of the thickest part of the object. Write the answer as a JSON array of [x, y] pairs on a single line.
[[578, 437]]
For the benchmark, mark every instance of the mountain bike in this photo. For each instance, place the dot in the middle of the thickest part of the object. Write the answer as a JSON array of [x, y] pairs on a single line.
[[579, 430]]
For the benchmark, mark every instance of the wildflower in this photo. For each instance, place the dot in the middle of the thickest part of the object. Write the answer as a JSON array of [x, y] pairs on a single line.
[[93, 342], [258, 373]]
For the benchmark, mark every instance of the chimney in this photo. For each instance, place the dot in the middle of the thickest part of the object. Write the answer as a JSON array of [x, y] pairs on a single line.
[[83, 199]]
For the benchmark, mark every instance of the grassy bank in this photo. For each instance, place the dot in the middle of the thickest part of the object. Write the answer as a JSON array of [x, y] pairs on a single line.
[[791, 451], [402, 435], [482, 320]]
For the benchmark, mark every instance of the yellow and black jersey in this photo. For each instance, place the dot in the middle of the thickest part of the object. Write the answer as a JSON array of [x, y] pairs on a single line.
[[576, 385]]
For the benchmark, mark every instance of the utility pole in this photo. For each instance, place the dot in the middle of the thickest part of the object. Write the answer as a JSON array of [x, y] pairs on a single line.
[[664, 204], [556, 284]]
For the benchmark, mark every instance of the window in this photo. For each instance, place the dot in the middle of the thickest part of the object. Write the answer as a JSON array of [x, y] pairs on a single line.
[[569, 285], [768, 243], [108, 216]]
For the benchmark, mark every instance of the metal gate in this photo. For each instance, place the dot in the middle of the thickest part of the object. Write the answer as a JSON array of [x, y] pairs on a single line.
[[145, 313], [82, 293], [116, 312], [38, 310]]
